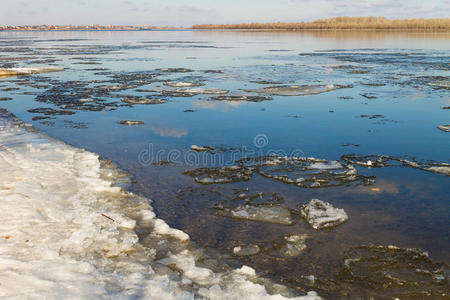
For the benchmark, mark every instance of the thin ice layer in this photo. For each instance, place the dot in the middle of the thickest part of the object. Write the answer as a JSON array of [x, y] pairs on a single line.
[[67, 232]]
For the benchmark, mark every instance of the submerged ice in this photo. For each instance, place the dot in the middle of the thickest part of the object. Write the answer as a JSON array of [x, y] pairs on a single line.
[[262, 213]]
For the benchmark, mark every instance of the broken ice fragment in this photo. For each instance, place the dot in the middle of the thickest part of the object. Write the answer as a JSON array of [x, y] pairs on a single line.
[[27, 71], [131, 122], [201, 148], [320, 214], [246, 250], [220, 175], [139, 100], [445, 128], [180, 84], [298, 90]]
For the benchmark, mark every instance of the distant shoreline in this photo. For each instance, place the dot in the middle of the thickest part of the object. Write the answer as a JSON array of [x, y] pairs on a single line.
[[333, 24], [413, 30], [342, 23]]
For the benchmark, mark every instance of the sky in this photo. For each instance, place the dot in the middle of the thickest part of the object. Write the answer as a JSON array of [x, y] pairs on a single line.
[[189, 12]]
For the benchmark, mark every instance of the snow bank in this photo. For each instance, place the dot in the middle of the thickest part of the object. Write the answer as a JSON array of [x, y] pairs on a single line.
[[67, 231]]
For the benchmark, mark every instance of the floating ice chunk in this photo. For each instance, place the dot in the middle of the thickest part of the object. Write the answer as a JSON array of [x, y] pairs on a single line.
[[320, 214], [380, 161], [139, 100], [445, 128], [175, 70], [220, 175], [27, 71], [131, 122], [440, 169], [201, 148], [249, 98], [331, 165], [270, 214], [246, 250], [161, 227], [207, 91], [246, 270], [186, 263], [305, 172], [298, 90], [180, 84]]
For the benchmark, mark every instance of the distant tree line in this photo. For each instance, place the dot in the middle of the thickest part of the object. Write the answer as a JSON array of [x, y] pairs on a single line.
[[338, 23]]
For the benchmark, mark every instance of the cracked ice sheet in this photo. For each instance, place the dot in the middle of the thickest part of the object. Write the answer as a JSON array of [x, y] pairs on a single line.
[[66, 231]]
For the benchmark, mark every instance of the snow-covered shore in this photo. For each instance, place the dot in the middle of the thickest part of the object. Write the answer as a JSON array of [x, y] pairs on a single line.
[[68, 231]]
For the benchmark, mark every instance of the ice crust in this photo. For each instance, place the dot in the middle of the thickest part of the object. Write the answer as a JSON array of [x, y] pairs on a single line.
[[68, 231]]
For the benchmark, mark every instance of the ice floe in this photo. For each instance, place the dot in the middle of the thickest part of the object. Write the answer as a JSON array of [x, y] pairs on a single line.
[[131, 122], [181, 84], [306, 172], [139, 100], [249, 98], [320, 214], [220, 175], [206, 91], [28, 71], [70, 231], [445, 128], [201, 148], [381, 161], [298, 90], [246, 250]]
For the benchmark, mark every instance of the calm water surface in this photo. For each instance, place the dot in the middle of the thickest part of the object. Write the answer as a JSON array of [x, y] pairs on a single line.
[[381, 94]]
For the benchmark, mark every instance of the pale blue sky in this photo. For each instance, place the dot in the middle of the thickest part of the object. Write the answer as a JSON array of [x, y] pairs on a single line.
[[182, 12]]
